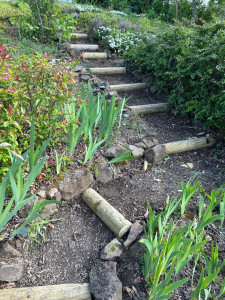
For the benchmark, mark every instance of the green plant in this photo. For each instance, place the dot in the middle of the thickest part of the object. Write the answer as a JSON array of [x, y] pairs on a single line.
[[91, 149], [37, 230], [188, 64], [187, 193], [59, 161], [123, 156], [14, 193]]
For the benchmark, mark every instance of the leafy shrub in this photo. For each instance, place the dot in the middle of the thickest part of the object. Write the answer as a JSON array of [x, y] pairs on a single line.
[[188, 64], [8, 11], [31, 87]]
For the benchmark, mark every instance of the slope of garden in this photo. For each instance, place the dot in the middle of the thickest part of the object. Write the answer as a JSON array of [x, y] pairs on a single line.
[[63, 129]]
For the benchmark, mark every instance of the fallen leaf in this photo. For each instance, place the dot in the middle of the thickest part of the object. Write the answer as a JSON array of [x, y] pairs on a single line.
[[145, 167], [157, 179]]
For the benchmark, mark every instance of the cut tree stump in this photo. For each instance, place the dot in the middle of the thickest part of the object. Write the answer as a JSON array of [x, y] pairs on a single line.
[[128, 87], [82, 36], [83, 47], [150, 108], [106, 212], [49, 292], [188, 145], [95, 55], [108, 71]]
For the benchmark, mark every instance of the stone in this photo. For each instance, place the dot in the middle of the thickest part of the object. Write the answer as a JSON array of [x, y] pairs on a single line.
[[156, 154], [135, 230], [78, 68], [49, 210], [52, 192], [114, 56], [104, 172], [11, 269], [140, 145], [136, 251], [75, 183], [155, 141], [58, 196], [42, 193], [113, 151], [11, 264], [149, 144], [104, 283], [24, 211], [112, 250], [136, 151], [85, 77], [111, 94], [7, 249]]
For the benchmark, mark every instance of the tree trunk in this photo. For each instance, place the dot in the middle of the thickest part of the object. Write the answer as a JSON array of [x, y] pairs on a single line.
[[176, 10], [195, 10]]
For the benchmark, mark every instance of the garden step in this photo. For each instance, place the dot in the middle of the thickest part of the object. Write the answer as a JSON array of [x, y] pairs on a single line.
[[128, 87], [83, 47], [108, 71], [150, 108], [57, 292], [95, 55], [78, 35]]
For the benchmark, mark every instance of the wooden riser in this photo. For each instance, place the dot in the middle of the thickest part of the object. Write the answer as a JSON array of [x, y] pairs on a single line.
[[95, 55], [49, 292], [150, 108], [128, 87], [108, 71], [82, 36], [83, 47]]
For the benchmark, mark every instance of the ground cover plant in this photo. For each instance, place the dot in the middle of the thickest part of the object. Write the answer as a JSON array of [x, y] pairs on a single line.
[[171, 249], [188, 64]]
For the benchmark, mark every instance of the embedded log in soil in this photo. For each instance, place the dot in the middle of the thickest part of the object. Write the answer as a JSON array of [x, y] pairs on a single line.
[[49, 292], [128, 87], [150, 108], [108, 71], [188, 145], [95, 55], [106, 212]]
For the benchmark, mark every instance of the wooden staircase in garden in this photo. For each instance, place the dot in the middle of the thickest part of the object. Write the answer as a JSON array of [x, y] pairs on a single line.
[[90, 52]]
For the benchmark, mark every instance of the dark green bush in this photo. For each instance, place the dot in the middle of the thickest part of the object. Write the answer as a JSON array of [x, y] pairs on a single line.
[[189, 65]]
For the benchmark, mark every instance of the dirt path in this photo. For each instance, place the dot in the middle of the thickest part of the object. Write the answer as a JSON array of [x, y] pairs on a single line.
[[65, 260]]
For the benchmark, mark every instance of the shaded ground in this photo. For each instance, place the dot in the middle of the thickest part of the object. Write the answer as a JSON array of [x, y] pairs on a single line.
[[73, 245]]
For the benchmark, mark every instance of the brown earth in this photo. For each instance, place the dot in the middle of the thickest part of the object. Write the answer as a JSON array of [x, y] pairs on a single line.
[[73, 244]]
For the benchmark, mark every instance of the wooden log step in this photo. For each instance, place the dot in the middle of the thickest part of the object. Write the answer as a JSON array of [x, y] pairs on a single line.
[[78, 35], [106, 212], [188, 145], [150, 108], [83, 47], [128, 87], [108, 71], [95, 55], [49, 292]]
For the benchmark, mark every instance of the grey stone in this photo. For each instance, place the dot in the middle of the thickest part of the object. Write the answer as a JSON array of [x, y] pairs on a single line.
[[48, 210], [7, 249], [78, 68], [114, 56], [135, 230], [136, 251], [104, 283], [58, 196], [85, 77], [104, 172], [156, 154], [136, 151], [148, 143], [140, 145], [11, 269], [24, 211], [113, 151], [42, 193], [112, 250], [75, 183], [52, 192], [11, 264], [155, 141]]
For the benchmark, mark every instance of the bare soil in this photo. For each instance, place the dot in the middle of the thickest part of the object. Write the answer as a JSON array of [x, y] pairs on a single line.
[[73, 244]]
